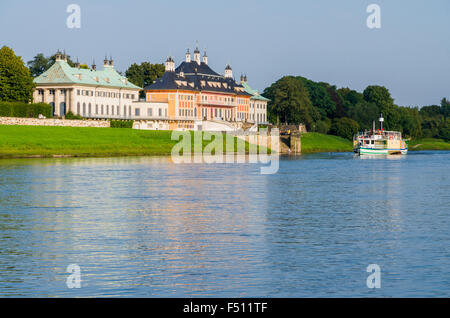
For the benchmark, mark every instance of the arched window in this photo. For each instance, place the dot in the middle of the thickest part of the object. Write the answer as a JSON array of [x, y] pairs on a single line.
[[89, 109], [84, 109], [129, 111], [118, 111], [96, 109], [112, 110], [78, 108], [124, 111], [107, 109], [102, 110]]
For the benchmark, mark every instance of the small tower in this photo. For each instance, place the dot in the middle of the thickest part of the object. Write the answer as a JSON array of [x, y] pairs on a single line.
[[170, 64], [111, 61], [94, 67], [106, 62], [197, 56], [205, 58], [243, 79], [228, 71], [65, 56], [77, 64], [58, 56], [188, 56]]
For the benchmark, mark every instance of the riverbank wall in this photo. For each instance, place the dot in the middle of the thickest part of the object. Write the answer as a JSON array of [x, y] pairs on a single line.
[[18, 121]]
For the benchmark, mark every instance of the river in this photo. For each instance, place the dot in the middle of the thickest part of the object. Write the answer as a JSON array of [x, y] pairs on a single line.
[[147, 227]]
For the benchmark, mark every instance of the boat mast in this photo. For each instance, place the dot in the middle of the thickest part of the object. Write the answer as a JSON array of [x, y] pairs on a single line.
[[381, 121]]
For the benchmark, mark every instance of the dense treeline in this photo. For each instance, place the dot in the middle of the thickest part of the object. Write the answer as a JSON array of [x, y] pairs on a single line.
[[343, 112]]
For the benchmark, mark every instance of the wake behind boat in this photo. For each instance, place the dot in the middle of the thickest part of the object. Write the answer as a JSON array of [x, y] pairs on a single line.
[[380, 142]]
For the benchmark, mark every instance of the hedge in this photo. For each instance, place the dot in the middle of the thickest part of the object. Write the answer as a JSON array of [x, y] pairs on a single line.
[[121, 123], [20, 109]]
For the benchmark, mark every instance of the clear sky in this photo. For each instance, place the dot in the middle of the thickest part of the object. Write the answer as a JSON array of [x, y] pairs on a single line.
[[324, 40]]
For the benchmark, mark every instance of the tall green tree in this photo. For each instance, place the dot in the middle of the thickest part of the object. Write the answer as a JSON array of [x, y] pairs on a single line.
[[290, 102], [445, 107], [16, 83], [320, 98], [39, 64], [380, 96], [144, 74]]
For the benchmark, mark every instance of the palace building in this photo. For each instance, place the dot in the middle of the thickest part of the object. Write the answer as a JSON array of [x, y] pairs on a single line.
[[90, 93], [196, 96], [189, 97]]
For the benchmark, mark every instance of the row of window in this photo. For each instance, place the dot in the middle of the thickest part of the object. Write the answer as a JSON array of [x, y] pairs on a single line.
[[91, 93], [102, 110], [217, 113], [259, 106], [137, 112], [104, 94]]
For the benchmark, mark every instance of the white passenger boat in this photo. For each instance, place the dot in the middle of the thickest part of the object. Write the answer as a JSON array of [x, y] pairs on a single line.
[[380, 142]]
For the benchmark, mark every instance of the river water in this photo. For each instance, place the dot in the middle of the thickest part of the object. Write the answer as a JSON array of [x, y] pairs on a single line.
[[147, 227]]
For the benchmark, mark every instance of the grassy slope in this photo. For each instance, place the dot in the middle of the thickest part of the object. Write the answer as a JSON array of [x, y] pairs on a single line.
[[29, 141], [315, 142], [429, 144]]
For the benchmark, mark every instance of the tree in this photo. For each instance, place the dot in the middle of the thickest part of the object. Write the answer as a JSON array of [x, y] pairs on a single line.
[[320, 98], [39, 64], [16, 83], [445, 107], [144, 74], [290, 102], [344, 127]]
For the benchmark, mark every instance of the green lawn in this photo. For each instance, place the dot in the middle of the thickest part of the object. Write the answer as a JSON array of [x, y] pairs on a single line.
[[429, 144], [30, 141], [315, 142]]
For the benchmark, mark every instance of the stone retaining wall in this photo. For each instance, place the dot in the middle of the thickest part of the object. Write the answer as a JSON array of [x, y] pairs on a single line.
[[53, 122]]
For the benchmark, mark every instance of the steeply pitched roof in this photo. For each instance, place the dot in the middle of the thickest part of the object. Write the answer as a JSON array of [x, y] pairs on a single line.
[[197, 77], [62, 73], [254, 92]]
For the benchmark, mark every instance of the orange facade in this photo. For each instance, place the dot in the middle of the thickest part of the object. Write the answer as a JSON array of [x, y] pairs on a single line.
[[185, 106]]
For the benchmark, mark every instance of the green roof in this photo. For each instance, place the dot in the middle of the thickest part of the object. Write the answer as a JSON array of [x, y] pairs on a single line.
[[253, 92], [62, 73]]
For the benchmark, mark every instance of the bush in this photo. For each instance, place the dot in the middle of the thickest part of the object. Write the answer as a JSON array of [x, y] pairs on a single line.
[[122, 123], [21, 109], [72, 116], [344, 127], [322, 126]]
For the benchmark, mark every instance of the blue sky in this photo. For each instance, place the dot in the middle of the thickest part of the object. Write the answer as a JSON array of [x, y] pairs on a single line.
[[324, 40]]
